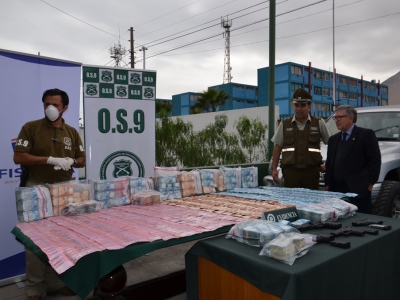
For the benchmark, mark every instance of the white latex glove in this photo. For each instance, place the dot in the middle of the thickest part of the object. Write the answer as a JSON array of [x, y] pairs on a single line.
[[59, 163]]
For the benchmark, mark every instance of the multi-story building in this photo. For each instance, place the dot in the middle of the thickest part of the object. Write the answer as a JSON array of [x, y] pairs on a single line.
[[319, 83], [241, 96]]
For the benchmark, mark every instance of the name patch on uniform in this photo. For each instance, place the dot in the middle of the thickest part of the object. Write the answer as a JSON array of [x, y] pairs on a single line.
[[289, 129], [313, 128]]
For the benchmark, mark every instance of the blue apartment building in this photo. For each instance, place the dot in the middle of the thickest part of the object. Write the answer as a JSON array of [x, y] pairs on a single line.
[[290, 76], [319, 83], [241, 96]]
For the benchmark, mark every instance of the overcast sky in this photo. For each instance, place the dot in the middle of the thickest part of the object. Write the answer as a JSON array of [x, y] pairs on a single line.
[[185, 42]]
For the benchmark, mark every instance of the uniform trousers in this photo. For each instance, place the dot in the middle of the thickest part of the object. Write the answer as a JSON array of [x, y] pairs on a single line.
[[40, 276], [301, 177]]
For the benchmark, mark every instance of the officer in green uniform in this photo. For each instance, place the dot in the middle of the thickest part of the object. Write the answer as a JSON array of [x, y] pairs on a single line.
[[298, 139], [48, 148]]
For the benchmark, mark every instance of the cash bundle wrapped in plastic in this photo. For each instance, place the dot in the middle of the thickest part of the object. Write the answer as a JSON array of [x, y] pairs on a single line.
[[81, 191], [65, 193], [81, 208], [61, 194], [186, 180], [148, 197], [343, 208], [232, 177], [165, 171], [138, 184], [198, 189], [208, 182], [112, 192], [169, 187], [286, 247], [317, 212], [33, 203], [258, 232], [249, 177]]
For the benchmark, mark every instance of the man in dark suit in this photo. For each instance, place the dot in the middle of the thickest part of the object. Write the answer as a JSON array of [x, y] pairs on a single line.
[[354, 160]]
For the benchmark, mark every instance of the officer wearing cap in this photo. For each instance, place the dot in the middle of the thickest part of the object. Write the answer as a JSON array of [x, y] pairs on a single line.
[[298, 139]]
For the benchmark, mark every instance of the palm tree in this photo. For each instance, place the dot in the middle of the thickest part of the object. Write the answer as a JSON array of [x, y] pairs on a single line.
[[210, 99], [163, 108]]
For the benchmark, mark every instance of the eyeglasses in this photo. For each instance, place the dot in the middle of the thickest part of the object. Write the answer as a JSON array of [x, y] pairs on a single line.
[[338, 118]]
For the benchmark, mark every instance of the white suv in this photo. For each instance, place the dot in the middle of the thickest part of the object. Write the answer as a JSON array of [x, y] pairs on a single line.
[[385, 122]]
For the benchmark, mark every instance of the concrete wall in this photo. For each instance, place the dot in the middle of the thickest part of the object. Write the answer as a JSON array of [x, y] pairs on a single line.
[[200, 121]]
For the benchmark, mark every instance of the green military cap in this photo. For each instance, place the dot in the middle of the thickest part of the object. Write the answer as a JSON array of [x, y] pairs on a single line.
[[301, 95]]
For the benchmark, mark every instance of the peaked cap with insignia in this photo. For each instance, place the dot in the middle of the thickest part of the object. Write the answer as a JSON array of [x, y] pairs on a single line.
[[301, 96]]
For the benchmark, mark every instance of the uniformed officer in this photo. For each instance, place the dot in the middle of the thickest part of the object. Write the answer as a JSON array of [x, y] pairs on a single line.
[[298, 138], [48, 148]]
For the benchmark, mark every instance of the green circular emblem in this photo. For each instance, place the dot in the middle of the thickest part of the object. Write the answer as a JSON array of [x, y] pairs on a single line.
[[120, 164]]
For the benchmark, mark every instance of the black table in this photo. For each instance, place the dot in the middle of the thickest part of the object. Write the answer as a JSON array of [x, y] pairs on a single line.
[[370, 269]]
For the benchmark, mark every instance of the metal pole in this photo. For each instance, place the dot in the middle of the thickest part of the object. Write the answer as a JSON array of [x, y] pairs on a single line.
[[271, 84], [144, 56]]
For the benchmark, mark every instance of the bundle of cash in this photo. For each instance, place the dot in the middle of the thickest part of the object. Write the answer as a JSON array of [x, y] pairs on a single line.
[[232, 177], [249, 177], [33, 203], [112, 192]]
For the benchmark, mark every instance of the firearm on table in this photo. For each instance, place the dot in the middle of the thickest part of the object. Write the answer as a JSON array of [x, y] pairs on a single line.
[[347, 231], [372, 224], [365, 222], [319, 225]]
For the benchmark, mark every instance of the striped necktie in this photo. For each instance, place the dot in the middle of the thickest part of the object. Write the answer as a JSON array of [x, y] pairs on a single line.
[[344, 135]]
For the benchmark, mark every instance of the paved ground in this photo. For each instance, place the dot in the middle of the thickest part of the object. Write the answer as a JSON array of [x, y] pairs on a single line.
[[153, 265]]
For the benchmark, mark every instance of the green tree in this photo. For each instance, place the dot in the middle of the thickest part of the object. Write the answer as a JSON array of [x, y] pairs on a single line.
[[252, 137], [210, 100], [163, 108], [172, 138]]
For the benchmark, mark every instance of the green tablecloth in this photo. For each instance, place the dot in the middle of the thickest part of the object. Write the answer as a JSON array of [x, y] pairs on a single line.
[[84, 276], [370, 269]]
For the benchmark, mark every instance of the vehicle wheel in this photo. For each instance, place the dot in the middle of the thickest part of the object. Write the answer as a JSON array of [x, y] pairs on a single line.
[[388, 200]]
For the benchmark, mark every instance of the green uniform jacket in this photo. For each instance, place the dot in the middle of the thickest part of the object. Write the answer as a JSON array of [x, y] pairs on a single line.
[[40, 138]]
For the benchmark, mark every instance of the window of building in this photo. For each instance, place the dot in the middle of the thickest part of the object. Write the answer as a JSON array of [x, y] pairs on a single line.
[[322, 106], [325, 76], [384, 102], [297, 70], [318, 106], [352, 82], [342, 80], [326, 92], [318, 74], [353, 96], [343, 95], [384, 89], [194, 97], [296, 86], [317, 90]]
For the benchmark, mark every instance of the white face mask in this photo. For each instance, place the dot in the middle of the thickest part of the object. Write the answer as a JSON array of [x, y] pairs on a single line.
[[52, 113]]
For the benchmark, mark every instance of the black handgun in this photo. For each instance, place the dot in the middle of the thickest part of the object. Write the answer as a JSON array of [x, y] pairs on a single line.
[[318, 225], [344, 245], [365, 222], [347, 231], [324, 238]]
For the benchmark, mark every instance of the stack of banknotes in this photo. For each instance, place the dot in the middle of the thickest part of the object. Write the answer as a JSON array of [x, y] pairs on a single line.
[[33, 203]]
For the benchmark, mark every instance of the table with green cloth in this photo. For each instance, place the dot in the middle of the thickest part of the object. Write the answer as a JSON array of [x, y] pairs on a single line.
[[370, 269], [102, 241]]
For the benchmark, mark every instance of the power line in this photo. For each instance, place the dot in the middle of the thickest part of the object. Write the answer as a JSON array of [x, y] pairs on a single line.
[[78, 19], [262, 20], [293, 35]]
